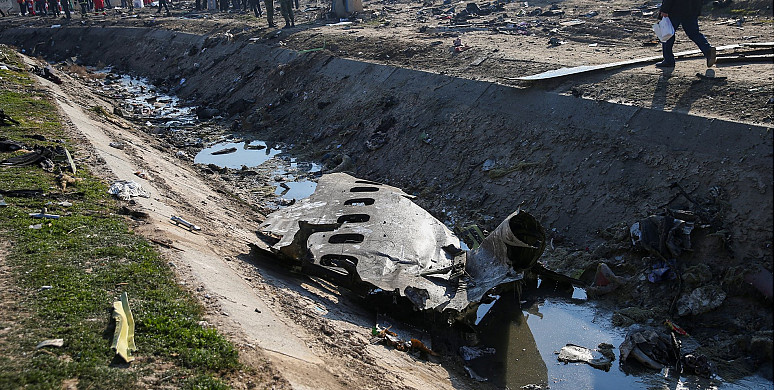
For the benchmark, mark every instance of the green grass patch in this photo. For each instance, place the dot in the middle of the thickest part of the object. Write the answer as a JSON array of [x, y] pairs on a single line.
[[64, 277]]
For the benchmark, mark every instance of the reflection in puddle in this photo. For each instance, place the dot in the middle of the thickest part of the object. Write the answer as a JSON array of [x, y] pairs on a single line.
[[526, 340], [142, 100], [249, 154], [296, 189]]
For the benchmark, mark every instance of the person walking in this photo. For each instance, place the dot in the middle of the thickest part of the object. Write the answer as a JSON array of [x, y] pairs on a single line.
[[287, 13], [162, 3], [22, 7], [54, 8], [685, 13], [269, 10], [66, 8], [254, 5]]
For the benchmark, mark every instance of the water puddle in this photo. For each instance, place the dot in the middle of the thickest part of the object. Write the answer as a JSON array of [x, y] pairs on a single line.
[[168, 116], [250, 154], [142, 100], [296, 189], [525, 341]]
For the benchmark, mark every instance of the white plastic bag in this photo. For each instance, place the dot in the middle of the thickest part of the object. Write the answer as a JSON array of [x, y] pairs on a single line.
[[664, 29]]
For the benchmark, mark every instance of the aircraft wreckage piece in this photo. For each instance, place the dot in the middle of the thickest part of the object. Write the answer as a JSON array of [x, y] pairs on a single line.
[[363, 232]]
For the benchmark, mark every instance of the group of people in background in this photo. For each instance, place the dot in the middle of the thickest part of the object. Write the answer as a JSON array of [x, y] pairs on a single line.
[[285, 6], [56, 7]]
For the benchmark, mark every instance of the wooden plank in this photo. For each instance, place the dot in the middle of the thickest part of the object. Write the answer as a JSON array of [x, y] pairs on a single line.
[[563, 72], [479, 61]]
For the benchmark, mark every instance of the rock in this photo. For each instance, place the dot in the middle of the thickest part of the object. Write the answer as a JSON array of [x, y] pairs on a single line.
[[700, 300], [697, 275], [205, 113], [631, 315], [762, 346]]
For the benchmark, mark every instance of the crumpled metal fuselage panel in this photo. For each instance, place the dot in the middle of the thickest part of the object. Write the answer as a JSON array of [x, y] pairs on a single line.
[[375, 233]]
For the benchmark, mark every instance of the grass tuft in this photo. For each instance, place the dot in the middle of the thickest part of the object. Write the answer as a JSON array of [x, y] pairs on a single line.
[[63, 277]]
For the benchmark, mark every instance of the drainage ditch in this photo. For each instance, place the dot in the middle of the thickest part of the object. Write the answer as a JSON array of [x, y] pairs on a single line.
[[586, 169]]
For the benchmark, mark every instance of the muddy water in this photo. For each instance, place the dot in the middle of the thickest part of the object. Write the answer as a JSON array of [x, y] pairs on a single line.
[[250, 154], [144, 102], [526, 338]]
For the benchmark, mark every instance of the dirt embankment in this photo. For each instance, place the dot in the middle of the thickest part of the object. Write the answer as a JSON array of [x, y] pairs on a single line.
[[473, 151]]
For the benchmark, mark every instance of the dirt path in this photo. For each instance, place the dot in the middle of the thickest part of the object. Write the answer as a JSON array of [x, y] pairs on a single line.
[[267, 316]]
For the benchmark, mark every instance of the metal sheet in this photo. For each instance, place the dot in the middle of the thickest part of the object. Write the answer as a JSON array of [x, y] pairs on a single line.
[[562, 72], [366, 232]]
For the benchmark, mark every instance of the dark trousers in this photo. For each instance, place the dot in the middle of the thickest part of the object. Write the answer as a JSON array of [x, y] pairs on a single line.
[[287, 12], [254, 5], [66, 8], [23, 8], [54, 8], [269, 10], [691, 26]]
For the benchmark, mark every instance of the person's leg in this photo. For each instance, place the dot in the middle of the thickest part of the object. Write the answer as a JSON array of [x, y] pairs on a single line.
[[691, 27], [667, 46], [269, 10]]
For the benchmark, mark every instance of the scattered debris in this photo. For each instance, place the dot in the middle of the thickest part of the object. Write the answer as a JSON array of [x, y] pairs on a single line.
[[593, 357], [66, 180], [46, 72], [663, 235], [699, 365], [473, 375], [117, 145], [605, 281], [10, 146], [224, 151], [179, 220], [662, 271], [651, 348], [43, 156], [50, 343], [44, 215], [391, 339], [700, 300], [471, 353], [675, 328], [124, 333], [125, 189], [142, 174]]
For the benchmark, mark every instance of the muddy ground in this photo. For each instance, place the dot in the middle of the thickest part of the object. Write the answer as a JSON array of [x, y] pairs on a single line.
[[579, 153]]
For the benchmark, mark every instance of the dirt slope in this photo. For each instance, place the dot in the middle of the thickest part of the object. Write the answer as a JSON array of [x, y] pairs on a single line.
[[271, 321]]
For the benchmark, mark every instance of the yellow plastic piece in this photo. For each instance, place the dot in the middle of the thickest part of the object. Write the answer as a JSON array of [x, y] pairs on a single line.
[[124, 334]]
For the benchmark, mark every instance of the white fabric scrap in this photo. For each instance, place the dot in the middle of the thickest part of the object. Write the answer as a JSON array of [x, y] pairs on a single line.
[[125, 189]]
